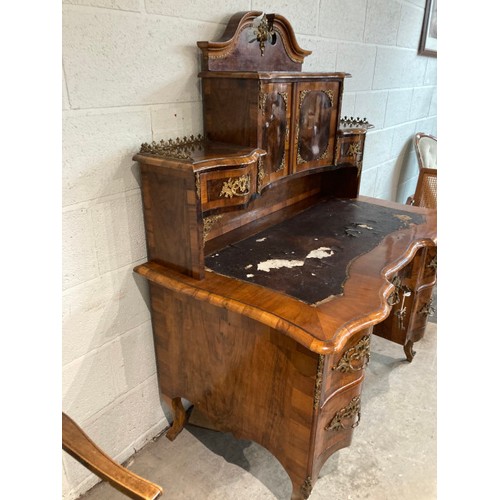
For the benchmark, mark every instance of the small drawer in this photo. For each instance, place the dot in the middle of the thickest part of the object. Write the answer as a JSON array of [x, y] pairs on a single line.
[[430, 265], [420, 313], [349, 366], [227, 188], [338, 418], [350, 150]]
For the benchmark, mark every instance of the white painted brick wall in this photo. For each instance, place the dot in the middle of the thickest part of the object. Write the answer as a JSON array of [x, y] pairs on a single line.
[[129, 76], [343, 19]]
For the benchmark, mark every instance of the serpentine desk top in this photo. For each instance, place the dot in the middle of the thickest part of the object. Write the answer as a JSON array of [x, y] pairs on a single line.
[[359, 287]]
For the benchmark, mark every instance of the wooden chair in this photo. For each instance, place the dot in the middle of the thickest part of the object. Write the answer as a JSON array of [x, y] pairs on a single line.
[[82, 448], [426, 190]]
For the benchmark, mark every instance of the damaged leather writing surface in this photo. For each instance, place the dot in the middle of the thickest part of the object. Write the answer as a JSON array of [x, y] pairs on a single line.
[[308, 256]]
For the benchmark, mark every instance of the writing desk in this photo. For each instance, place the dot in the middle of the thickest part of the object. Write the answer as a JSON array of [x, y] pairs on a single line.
[[272, 341], [267, 271]]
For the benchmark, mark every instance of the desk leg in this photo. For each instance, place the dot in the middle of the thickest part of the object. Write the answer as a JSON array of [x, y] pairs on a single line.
[[410, 353], [303, 490], [180, 419]]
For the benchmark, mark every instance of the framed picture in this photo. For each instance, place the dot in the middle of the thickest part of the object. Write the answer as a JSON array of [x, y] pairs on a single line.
[[428, 37]]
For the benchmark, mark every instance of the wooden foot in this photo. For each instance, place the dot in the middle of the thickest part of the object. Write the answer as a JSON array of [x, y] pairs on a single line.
[[302, 491], [410, 353], [180, 419]]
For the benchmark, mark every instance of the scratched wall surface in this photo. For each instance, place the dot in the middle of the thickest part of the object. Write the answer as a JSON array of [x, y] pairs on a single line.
[[130, 76]]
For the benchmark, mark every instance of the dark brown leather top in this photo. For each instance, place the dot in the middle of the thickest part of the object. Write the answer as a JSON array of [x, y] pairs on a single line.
[[308, 256]]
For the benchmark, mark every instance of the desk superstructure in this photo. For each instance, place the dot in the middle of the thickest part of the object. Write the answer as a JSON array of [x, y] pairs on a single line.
[[268, 272]]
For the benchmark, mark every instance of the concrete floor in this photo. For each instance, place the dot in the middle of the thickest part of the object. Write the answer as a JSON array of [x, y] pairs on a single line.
[[392, 455]]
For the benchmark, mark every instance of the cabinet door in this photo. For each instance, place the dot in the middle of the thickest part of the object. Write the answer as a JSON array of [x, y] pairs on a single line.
[[316, 115], [274, 130]]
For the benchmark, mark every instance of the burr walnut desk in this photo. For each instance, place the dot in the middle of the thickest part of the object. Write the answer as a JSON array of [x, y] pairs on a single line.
[[267, 271]]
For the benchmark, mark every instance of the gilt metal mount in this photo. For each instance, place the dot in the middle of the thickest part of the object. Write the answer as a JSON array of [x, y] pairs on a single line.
[[208, 223], [355, 358], [351, 411], [355, 122], [427, 309], [319, 380], [180, 149], [306, 488], [239, 186], [265, 32], [433, 264]]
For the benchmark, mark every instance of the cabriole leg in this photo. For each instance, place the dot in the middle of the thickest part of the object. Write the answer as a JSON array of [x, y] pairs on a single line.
[[180, 419], [410, 353], [303, 490]]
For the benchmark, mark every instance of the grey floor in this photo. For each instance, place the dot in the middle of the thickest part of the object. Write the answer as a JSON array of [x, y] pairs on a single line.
[[392, 455]]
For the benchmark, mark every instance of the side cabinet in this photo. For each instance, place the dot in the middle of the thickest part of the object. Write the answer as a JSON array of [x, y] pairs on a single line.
[[411, 302]]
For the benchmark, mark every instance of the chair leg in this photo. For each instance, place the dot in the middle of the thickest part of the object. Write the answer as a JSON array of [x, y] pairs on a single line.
[[82, 448]]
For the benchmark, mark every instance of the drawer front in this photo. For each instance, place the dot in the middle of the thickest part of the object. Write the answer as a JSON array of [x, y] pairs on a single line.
[[422, 269], [430, 266], [420, 313], [402, 298], [228, 188], [350, 150], [348, 366], [337, 419]]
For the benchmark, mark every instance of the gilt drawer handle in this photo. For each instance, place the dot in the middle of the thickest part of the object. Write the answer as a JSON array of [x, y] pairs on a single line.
[[395, 297], [427, 309], [239, 186], [355, 358], [433, 264], [354, 149], [352, 410], [398, 296]]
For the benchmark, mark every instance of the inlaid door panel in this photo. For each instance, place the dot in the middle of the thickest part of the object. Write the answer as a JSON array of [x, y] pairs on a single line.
[[316, 115], [274, 129]]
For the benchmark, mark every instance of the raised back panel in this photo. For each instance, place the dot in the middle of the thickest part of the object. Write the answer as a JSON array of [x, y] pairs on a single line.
[[254, 41]]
